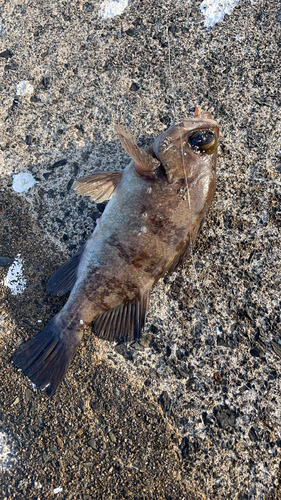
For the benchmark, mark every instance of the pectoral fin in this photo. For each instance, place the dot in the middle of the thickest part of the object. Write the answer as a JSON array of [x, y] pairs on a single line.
[[145, 164], [64, 278], [124, 322], [99, 186]]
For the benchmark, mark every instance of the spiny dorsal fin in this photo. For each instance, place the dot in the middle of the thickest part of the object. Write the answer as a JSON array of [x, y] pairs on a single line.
[[145, 163], [124, 322], [99, 186]]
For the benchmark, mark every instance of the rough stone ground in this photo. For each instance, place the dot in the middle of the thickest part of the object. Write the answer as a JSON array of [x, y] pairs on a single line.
[[192, 411]]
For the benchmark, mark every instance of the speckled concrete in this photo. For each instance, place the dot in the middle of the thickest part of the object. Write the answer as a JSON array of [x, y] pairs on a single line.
[[192, 411]]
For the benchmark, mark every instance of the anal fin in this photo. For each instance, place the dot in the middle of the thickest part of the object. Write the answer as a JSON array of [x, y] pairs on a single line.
[[63, 280], [124, 322], [99, 186]]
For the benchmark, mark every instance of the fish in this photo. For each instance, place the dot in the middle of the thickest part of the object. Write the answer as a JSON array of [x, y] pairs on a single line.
[[157, 206]]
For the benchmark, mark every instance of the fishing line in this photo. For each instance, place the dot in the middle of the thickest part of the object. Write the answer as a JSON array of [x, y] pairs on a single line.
[[90, 296], [76, 315], [186, 179]]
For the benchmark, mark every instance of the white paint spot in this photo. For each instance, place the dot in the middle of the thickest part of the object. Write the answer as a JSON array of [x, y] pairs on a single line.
[[23, 182], [215, 10], [14, 279], [24, 88], [5, 452], [58, 490], [37, 485], [112, 8]]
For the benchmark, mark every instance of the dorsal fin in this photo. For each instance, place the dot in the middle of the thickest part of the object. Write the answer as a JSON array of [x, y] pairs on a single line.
[[124, 322], [99, 186], [145, 163]]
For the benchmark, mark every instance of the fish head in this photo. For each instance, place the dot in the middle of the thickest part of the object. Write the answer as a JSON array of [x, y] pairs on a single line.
[[186, 148]]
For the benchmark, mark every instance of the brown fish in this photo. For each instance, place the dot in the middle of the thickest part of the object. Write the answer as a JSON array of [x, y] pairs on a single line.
[[156, 209]]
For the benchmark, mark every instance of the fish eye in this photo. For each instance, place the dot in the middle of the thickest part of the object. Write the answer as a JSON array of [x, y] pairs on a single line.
[[203, 141]]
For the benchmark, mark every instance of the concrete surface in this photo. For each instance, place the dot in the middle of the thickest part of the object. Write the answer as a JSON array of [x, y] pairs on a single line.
[[192, 411]]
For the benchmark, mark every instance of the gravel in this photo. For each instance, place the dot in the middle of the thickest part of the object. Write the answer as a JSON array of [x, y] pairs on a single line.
[[192, 410]]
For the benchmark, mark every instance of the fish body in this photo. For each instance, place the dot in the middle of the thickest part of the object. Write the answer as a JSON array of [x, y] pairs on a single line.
[[157, 207]]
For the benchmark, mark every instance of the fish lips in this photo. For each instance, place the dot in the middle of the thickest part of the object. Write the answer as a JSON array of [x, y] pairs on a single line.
[[175, 152]]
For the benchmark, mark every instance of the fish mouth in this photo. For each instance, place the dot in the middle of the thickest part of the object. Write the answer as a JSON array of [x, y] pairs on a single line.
[[160, 171]]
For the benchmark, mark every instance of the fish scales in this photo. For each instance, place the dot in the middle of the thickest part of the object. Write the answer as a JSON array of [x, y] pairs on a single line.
[[136, 254], [156, 209]]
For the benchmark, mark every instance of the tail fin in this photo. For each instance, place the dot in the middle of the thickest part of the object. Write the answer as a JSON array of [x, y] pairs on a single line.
[[46, 357]]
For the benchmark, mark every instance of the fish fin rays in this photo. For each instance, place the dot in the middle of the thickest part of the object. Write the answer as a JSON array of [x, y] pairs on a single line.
[[100, 186], [46, 357], [145, 163], [124, 322], [63, 280]]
